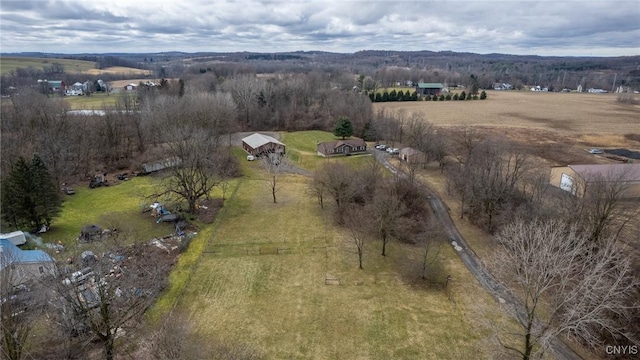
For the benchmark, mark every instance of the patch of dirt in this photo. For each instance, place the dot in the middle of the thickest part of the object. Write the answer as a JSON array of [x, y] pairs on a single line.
[[209, 210]]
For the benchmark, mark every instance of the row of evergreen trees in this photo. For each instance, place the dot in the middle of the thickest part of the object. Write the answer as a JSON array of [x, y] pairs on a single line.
[[413, 96], [393, 96], [462, 96]]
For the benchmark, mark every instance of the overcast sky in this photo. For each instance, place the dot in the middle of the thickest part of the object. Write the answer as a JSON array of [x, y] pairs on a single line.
[[569, 27]]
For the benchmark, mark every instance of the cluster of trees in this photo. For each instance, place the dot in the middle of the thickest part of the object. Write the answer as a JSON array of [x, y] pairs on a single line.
[[30, 198], [371, 206], [393, 96], [569, 253]]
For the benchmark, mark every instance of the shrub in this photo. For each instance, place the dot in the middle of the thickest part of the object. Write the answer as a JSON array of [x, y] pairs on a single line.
[[483, 95], [455, 96], [448, 97], [463, 95]]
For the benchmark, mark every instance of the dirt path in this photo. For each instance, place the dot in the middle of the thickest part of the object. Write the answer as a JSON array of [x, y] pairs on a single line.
[[469, 258]]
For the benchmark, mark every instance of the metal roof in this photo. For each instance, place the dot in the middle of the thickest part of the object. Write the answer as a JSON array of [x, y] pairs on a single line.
[[11, 254], [256, 140], [430, 86], [608, 172]]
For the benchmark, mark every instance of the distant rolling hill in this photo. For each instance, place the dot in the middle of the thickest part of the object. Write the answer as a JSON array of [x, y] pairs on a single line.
[[11, 63]]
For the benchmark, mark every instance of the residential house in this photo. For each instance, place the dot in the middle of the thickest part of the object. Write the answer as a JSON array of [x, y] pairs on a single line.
[[342, 147], [411, 155], [24, 265], [259, 144], [429, 88], [131, 87], [577, 179], [503, 86]]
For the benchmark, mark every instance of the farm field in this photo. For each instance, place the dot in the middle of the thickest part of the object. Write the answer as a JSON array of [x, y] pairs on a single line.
[[8, 64], [96, 101], [571, 113], [261, 282]]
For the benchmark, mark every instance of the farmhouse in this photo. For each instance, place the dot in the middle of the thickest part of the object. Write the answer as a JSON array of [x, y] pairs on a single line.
[[577, 178], [24, 264], [131, 87], [429, 89], [342, 147], [259, 144], [411, 155]]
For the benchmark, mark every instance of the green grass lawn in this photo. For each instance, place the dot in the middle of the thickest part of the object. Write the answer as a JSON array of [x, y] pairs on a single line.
[[117, 206], [301, 149], [96, 101], [8, 64]]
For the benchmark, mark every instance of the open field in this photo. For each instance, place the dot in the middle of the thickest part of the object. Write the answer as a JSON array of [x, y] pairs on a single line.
[[8, 64], [249, 289], [571, 113], [118, 70], [96, 101]]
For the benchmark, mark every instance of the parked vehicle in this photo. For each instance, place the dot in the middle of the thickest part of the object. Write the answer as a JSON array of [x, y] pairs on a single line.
[[596, 151], [250, 157], [381, 147]]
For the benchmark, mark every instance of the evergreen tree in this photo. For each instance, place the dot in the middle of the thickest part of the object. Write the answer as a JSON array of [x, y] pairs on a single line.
[[393, 96], [343, 127], [455, 96], [181, 90], [441, 98], [378, 97], [463, 95], [414, 96], [448, 97], [400, 95], [483, 95], [29, 195], [385, 96], [372, 96]]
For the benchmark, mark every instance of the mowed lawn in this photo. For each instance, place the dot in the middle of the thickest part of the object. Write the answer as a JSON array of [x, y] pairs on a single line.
[[260, 282], [575, 113], [117, 206], [302, 149]]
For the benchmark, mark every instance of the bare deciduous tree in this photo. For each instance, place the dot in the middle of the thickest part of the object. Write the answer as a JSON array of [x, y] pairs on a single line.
[[357, 224], [109, 293], [275, 165], [566, 284]]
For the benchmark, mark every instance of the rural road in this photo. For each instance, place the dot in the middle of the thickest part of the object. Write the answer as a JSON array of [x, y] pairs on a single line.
[[559, 349]]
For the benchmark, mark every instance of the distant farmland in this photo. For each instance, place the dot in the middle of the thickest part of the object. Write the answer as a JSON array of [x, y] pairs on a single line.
[[565, 112], [8, 64]]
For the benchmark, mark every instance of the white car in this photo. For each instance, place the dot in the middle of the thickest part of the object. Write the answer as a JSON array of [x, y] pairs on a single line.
[[250, 157], [596, 151]]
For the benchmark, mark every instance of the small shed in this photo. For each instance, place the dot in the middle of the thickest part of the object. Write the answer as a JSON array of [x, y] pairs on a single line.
[[411, 155], [260, 144]]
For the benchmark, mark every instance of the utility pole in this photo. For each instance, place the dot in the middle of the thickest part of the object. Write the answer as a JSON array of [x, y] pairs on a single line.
[[613, 88]]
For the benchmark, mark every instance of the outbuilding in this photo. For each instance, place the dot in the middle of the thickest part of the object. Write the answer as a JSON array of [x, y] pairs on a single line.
[[260, 144], [576, 178], [411, 155], [24, 264], [429, 89]]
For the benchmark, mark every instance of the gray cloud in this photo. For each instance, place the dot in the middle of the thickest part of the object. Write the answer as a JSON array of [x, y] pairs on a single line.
[[543, 27]]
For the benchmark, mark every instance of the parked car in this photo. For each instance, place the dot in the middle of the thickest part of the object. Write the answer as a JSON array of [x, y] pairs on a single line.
[[68, 191], [596, 151], [395, 151], [381, 147], [250, 157]]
